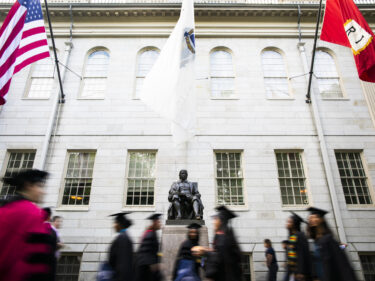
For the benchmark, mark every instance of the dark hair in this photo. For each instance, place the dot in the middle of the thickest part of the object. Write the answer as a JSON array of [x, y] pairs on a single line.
[[48, 211], [54, 218], [268, 242], [312, 231]]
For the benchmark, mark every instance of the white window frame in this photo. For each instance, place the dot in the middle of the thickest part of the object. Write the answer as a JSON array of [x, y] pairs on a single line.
[[234, 95], [84, 69], [7, 158], [307, 181], [64, 207], [368, 180], [30, 79], [290, 89], [251, 264], [139, 207], [78, 254], [136, 76], [343, 92], [243, 207]]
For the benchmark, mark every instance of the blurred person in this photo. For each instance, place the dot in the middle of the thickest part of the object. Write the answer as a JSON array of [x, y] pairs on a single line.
[[223, 262], [187, 266], [120, 256], [271, 260], [25, 242], [330, 261], [147, 264], [47, 222], [284, 245], [298, 254], [56, 224]]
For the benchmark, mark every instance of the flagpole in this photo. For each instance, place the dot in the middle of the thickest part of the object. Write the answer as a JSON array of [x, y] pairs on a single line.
[[62, 97], [308, 97]]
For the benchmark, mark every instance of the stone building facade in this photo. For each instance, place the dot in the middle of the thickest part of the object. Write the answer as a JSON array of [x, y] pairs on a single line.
[[257, 145]]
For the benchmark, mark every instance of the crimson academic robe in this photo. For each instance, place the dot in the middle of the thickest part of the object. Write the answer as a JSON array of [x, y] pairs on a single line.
[[26, 245]]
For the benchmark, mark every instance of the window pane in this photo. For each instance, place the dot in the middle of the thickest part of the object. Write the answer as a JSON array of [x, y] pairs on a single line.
[[42, 79], [145, 62], [94, 87], [229, 179], [327, 76], [222, 87], [97, 64], [276, 88], [353, 178], [291, 178], [17, 161], [368, 266], [78, 180], [275, 77], [221, 64], [68, 267], [245, 265], [41, 88], [141, 178]]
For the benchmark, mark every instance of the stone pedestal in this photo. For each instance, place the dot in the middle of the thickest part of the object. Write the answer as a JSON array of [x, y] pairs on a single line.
[[171, 238]]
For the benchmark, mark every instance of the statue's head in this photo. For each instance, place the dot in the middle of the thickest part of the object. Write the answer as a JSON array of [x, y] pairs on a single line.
[[183, 175]]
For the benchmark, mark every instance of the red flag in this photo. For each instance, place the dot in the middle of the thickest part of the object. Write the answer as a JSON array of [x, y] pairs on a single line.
[[344, 25]]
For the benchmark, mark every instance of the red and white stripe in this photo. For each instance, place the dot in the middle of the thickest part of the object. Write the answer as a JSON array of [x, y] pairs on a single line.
[[20, 44]]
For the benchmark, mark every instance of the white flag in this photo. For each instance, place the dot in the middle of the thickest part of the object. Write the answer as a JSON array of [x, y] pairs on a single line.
[[168, 88]]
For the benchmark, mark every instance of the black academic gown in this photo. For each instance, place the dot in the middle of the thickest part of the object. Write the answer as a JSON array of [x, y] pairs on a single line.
[[224, 264], [147, 255], [121, 258], [303, 257], [185, 253], [336, 266]]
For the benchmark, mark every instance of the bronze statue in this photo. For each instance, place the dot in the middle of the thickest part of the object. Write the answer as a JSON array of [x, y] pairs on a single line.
[[185, 199]]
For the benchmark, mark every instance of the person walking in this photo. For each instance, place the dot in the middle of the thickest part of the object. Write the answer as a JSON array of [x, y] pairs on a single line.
[[147, 264], [187, 266], [271, 260], [223, 262], [298, 254], [120, 256], [56, 225], [330, 261], [25, 242]]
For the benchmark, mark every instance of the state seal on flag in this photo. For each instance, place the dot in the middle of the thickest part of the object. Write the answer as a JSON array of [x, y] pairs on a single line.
[[358, 37]]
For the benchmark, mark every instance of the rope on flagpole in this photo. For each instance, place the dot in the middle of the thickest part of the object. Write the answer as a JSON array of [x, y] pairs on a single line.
[[308, 97], [62, 96]]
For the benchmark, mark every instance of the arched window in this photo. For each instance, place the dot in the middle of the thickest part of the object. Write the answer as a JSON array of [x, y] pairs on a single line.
[[146, 60], [95, 74], [275, 76], [41, 79], [221, 74], [327, 76]]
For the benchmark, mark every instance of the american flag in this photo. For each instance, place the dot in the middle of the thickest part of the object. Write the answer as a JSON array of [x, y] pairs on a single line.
[[23, 40]]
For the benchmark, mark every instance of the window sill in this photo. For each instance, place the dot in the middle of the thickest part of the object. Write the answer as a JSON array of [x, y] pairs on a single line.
[[25, 98], [295, 208], [369, 207], [225, 98], [73, 208], [335, 99], [91, 98], [139, 208], [280, 98], [238, 208]]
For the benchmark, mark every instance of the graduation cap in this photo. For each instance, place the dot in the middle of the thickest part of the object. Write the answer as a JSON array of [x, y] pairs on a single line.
[[225, 214], [121, 219], [194, 226], [316, 211], [154, 217], [31, 176], [297, 218]]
